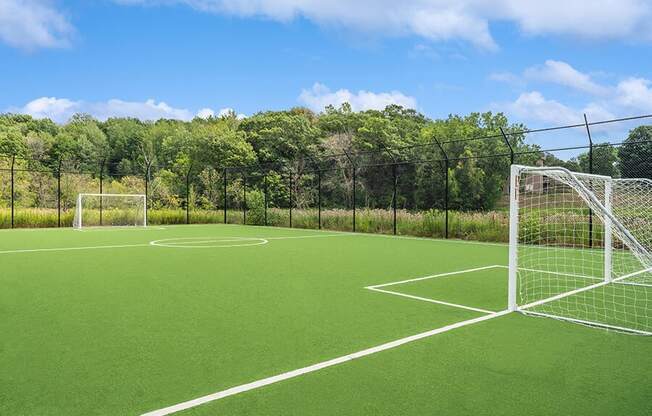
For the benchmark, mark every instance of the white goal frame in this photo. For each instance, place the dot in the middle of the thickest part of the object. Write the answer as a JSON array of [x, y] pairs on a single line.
[[609, 222], [78, 207]]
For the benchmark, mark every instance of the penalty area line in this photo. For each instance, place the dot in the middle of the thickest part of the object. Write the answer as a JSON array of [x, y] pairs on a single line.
[[316, 367], [439, 302], [432, 276]]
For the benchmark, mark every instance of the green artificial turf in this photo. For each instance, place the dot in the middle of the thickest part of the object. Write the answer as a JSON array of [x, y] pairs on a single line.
[[136, 327]]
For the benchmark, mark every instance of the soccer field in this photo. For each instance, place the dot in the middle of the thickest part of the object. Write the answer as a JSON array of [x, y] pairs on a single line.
[[237, 320]]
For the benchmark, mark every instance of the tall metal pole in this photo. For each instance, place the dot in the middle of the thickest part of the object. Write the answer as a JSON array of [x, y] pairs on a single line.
[[446, 166], [319, 199], [588, 133], [13, 162], [224, 172], [394, 195], [265, 189], [446, 163], [101, 183], [147, 173], [59, 194], [353, 168], [354, 199], [244, 198], [188, 195], [290, 199], [511, 149]]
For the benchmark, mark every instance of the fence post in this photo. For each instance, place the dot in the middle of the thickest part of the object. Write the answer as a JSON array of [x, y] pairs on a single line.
[[354, 199], [59, 194], [244, 199], [265, 196], [588, 133], [188, 194], [101, 191], [224, 172], [13, 162], [319, 199], [290, 199], [147, 173], [394, 195], [446, 166], [511, 149]]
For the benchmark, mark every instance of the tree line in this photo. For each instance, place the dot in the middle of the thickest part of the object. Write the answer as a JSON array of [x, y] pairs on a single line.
[[287, 154]]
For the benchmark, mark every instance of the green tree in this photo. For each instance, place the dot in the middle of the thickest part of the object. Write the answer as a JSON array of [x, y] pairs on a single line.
[[124, 136], [636, 154], [605, 161]]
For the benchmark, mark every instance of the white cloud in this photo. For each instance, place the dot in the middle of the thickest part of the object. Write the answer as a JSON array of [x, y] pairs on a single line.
[[58, 109], [205, 113], [61, 109], [629, 97], [223, 112], [31, 24], [319, 96], [436, 20], [554, 72], [228, 111], [148, 110], [562, 73], [532, 106], [635, 93], [592, 19]]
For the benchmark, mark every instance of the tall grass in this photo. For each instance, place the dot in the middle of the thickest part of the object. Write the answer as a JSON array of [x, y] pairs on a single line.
[[481, 226], [34, 218]]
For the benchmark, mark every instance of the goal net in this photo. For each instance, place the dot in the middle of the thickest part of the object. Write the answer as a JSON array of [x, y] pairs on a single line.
[[94, 210], [580, 248]]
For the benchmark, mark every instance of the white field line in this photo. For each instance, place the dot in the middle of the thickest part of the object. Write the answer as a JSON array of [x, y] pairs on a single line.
[[309, 236], [205, 240], [493, 266], [119, 228], [440, 302], [249, 242], [620, 279], [434, 240], [398, 237], [588, 323], [38, 250], [634, 284], [580, 290], [316, 367], [560, 273]]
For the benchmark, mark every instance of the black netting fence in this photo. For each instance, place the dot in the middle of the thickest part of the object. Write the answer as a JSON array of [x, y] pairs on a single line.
[[451, 187]]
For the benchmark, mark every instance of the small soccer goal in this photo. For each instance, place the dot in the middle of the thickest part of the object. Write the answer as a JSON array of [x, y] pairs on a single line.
[[579, 248], [111, 210]]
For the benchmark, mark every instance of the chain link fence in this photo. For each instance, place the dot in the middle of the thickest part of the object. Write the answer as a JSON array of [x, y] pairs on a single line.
[[437, 190]]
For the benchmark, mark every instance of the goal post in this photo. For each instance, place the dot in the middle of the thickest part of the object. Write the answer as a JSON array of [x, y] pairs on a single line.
[[93, 210], [563, 265]]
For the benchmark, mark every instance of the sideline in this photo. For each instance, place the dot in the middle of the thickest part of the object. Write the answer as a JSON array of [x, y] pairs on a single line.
[[316, 367]]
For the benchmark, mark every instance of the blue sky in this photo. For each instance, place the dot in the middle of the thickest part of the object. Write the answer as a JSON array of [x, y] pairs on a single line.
[[540, 64]]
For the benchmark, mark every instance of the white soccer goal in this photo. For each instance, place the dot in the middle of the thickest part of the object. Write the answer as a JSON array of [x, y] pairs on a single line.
[[94, 210], [579, 248]]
